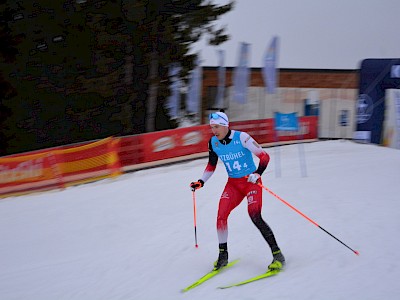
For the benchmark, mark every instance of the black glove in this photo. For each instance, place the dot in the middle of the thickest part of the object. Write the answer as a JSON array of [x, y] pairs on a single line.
[[196, 185]]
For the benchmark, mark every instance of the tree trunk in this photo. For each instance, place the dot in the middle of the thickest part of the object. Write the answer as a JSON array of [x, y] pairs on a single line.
[[152, 100]]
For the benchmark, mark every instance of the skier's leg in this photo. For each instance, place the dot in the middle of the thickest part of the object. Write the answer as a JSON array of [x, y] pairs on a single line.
[[230, 199], [254, 201]]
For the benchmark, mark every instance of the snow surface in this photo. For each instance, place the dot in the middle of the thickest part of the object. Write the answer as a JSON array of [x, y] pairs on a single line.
[[133, 237]]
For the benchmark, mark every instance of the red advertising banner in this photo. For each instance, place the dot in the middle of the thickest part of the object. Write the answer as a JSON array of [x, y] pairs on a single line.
[[74, 164], [57, 168], [167, 144], [175, 143]]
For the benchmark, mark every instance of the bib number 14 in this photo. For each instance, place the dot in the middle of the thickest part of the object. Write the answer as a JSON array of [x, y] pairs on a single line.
[[235, 166]]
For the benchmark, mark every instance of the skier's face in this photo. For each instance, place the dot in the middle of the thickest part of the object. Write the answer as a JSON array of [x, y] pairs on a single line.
[[219, 131]]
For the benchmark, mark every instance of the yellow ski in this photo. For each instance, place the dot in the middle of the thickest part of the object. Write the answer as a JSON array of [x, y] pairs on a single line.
[[208, 276], [264, 275]]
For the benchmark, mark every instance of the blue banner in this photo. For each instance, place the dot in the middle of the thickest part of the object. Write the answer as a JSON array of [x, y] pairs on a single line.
[[173, 102], [242, 75], [219, 101], [194, 91], [269, 68], [286, 122], [376, 75]]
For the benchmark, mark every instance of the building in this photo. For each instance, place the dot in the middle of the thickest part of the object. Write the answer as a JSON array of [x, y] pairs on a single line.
[[330, 94]]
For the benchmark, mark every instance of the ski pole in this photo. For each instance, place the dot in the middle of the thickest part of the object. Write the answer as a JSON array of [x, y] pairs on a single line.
[[194, 217], [307, 218]]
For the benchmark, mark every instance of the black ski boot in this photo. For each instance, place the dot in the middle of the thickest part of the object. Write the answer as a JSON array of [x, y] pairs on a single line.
[[222, 257]]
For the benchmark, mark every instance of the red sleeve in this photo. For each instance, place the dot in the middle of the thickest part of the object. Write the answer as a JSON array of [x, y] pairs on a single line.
[[264, 160]]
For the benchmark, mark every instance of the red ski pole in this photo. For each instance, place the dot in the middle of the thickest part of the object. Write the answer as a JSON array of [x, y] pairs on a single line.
[[194, 217], [307, 218]]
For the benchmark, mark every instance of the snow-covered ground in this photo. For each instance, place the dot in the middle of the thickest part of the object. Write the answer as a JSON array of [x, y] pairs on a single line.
[[133, 237]]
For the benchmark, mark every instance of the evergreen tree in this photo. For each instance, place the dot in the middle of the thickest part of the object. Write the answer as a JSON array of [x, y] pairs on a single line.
[[167, 30], [82, 70], [8, 52]]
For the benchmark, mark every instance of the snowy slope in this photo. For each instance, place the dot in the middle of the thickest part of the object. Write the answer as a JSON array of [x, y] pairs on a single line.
[[133, 237]]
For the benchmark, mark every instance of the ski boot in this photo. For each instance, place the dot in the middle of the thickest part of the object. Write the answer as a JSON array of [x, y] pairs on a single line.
[[278, 261], [222, 259]]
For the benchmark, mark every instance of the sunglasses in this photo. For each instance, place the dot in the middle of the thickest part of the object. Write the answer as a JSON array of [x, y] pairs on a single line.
[[216, 116]]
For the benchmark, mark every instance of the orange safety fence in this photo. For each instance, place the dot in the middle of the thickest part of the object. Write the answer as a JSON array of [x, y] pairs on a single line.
[[59, 168]]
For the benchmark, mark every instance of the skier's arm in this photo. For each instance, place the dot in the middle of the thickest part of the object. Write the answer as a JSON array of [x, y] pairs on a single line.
[[249, 143], [211, 165]]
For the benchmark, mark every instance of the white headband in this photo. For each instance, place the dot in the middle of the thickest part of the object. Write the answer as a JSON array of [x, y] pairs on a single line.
[[219, 118]]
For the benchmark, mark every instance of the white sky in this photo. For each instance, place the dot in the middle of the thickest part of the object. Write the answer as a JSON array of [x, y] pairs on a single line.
[[313, 33], [133, 237]]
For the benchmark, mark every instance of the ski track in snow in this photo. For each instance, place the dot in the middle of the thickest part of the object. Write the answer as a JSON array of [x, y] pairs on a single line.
[[133, 237]]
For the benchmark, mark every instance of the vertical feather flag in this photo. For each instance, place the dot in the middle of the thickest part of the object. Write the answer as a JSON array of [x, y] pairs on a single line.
[[242, 75], [219, 101], [194, 91], [269, 69], [174, 103], [397, 112]]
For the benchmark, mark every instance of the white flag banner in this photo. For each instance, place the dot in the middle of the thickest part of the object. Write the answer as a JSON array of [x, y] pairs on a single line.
[[269, 69], [242, 75], [397, 117], [219, 101], [194, 91], [173, 102]]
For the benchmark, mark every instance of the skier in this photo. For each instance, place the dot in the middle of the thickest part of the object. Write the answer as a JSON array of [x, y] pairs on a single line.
[[235, 149]]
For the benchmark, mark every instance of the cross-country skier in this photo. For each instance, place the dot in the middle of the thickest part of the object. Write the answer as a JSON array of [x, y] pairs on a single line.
[[235, 149]]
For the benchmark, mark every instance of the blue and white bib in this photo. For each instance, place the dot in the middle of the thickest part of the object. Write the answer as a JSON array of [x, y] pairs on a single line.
[[237, 159]]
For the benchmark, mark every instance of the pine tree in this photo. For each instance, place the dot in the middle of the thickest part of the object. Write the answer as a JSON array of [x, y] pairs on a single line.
[[169, 29], [82, 70]]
